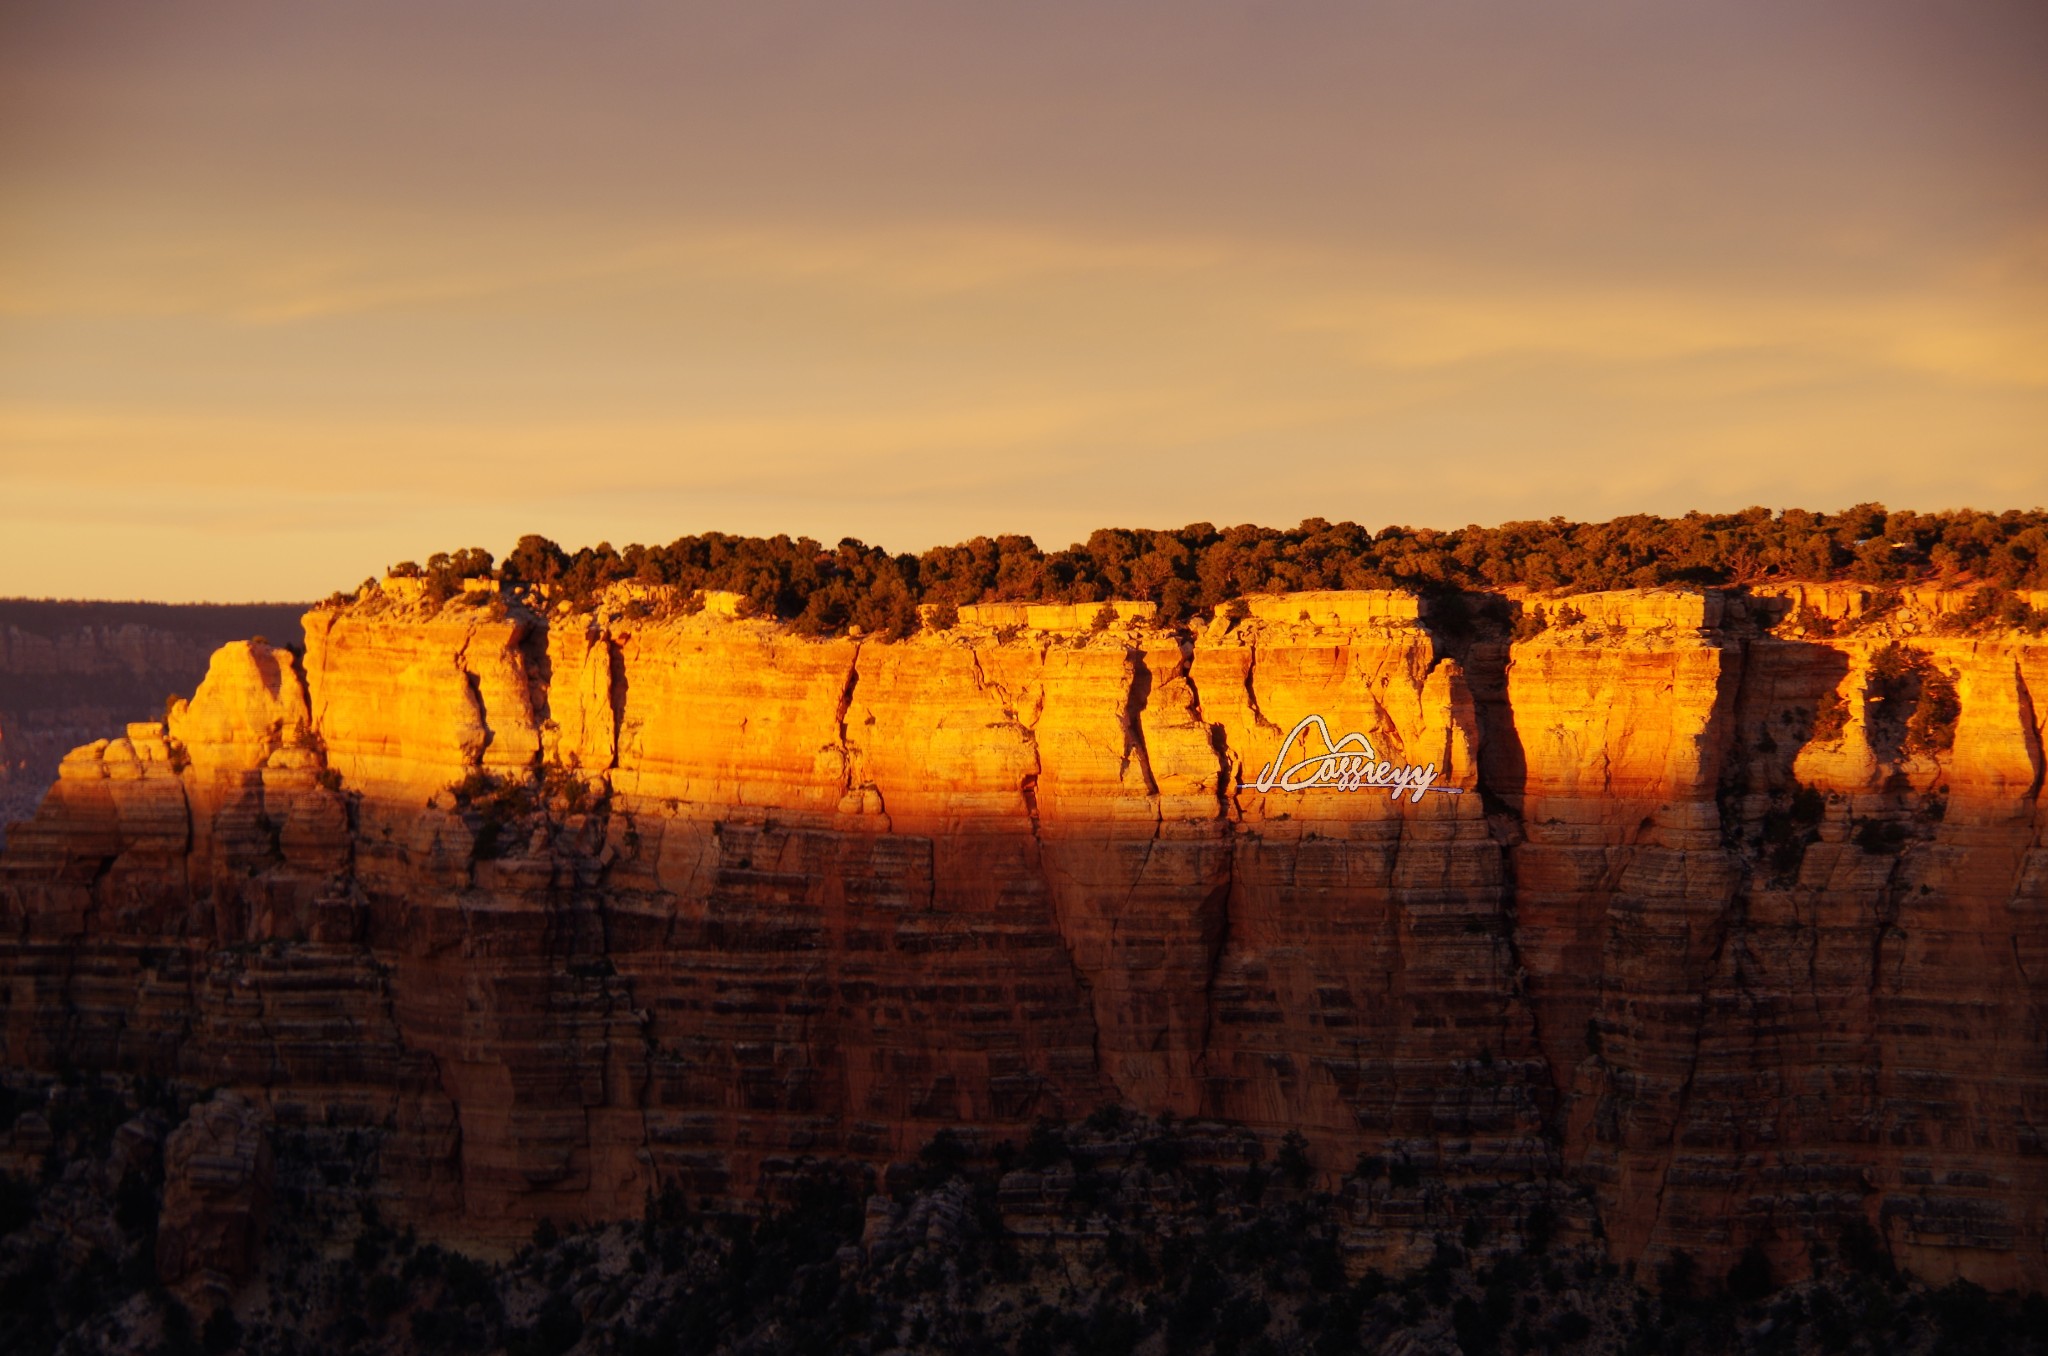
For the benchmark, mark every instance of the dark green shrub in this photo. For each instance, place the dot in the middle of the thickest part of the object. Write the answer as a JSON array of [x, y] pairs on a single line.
[[17, 1202], [555, 1328], [1163, 1153], [1676, 1275], [1932, 727], [1293, 1161], [1864, 1251], [1830, 718], [1539, 1228], [1967, 1318], [1749, 1280], [1046, 1146], [942, 1158], [1478, 1330], [498, 806], [1880, 837], [1108, 1119]]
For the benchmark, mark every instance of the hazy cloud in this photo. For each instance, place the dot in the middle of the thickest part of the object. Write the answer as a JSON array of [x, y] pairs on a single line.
[[288, 292]]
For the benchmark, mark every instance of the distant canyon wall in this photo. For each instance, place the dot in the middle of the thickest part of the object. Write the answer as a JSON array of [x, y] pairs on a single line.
[[1739, 927], [71, 672]]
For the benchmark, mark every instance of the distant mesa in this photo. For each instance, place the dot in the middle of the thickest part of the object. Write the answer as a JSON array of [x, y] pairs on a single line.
[[557, 886]]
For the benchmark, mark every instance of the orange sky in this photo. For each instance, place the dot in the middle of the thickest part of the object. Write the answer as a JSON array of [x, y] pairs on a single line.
[[289, 292]]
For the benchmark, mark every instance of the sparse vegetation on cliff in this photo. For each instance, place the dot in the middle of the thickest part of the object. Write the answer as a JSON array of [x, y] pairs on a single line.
[[1994, 609], [1914, 705], [495, 806], [827, 589]]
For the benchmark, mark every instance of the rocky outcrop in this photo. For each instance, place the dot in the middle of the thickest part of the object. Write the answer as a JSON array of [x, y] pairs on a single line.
[[217, 1186], [71, 673], [1742, 928]]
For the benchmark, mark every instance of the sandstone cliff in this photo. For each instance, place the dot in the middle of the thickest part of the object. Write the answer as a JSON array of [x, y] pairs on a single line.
[[72, 672], [1729, 926]]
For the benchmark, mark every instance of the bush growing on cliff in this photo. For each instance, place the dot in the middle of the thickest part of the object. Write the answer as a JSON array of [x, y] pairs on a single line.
[[17, 1203], [1865, 1251], [1880, 837], [1932, 726], [446, 573], [1830, 717], [1047, 1144], [1914, 705], [1750, 1278], [1293, 1161], [1991, 608], [941, 1159], [498, 805], [222, 1334]]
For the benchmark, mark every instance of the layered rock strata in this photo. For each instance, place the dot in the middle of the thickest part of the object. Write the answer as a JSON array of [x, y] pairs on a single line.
[[568, 911], [73, 672]]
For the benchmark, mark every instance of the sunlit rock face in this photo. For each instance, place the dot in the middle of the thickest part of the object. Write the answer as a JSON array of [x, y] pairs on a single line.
[[1697, 914], [72, 672]]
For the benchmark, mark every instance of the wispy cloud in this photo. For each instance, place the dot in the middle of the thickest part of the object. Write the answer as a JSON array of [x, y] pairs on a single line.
[[296, 290]]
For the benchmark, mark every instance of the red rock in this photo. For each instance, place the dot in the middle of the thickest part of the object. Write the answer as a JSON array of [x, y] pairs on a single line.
[[569, 911], [217, 1186]]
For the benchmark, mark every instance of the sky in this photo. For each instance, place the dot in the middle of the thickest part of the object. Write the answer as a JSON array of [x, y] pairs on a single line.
[[290, 292]]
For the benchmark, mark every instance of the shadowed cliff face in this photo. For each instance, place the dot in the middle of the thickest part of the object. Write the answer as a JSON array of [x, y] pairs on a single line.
[[1745, 933]]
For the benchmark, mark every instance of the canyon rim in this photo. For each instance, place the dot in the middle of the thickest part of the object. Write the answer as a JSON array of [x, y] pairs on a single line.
[[1737, 940]]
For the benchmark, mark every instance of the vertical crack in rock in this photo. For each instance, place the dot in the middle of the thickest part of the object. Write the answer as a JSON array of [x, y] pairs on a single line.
[[2030, 730], [1199, 1065], [1251, 693], [1885, 917], [616, 692], [531, 645], [1116, 918], [1226, 817], [650, 1052], [1219, 738], [620, 991], [1137, 693], [387, 1006], [1386, 730], [474, 684], [1515, 998], [1027, 785], [1251, 701], [458, 1180], [259, 996], [846, 777], [1715, 740]]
